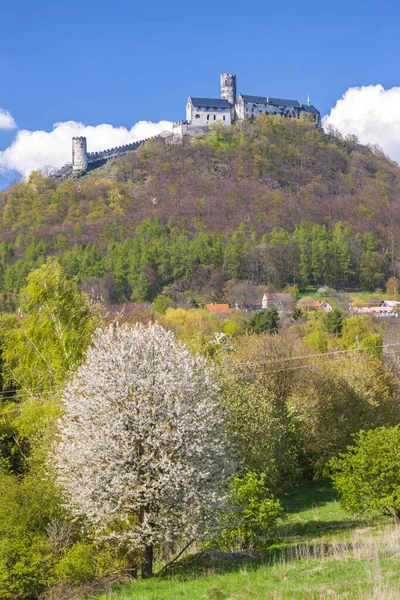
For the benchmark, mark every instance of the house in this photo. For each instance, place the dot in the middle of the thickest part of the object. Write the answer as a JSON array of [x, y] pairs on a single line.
[[221, 310], [282, 301], [279, 300], [374, 311], [323, 305], [390, 303], [249, 305]]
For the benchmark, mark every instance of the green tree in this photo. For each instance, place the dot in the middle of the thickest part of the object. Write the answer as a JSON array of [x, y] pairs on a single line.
[[265, 321], [51, 337], [338, 397], [359, 332], [367, 476], [161, 303], [268, 435], [333, 321]]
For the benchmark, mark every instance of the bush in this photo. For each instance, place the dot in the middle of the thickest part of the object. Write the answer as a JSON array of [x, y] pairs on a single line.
[[367, 477], [79, 563], [255, 513], [26, 565]]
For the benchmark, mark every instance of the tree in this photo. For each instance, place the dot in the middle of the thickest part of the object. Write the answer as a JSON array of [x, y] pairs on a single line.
[[367, 477], [393, 288], [267, 434], [338, 397], [142, 453], [264, 321], [49, 341], [334, 321]]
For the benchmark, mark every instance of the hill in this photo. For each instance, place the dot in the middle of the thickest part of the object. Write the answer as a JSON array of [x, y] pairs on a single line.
[[268, 200]]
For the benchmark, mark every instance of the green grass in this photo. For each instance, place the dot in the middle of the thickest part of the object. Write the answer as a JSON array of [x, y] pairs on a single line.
[[336, 297], [321, 553]]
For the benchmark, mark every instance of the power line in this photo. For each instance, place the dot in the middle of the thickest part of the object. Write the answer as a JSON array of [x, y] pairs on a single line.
[[319, 355], [17, 395]]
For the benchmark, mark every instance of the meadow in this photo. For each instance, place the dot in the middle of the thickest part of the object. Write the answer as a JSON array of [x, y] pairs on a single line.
[[322, 553]]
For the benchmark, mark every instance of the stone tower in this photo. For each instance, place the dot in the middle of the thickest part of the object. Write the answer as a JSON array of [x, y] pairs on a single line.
[[228, 87], [79, 154]]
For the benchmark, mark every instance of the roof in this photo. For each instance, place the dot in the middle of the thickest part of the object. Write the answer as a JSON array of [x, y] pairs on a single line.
[[279, 102], [284, 296], [310, 109], [319, 303], [372, 309], [249, 303], [274, 101], [391, 303], [210, 102], [222, 310]]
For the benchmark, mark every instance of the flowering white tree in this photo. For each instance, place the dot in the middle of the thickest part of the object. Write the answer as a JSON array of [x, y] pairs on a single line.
[[142, 452]]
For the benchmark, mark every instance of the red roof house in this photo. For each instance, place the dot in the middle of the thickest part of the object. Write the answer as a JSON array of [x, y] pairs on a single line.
[[221, 310], [324, 304]]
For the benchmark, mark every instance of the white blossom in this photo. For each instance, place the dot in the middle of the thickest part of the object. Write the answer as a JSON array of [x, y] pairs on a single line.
[[142, 452]]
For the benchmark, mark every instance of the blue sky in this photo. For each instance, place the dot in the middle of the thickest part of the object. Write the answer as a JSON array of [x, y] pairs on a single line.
[[125, 61]]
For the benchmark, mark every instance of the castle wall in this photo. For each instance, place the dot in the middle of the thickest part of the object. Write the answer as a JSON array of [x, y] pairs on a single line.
[[206, 116], [113, 152], [182, 128], [253, 109]]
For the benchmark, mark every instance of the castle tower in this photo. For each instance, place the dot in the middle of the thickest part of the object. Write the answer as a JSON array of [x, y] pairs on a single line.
[[228, 87], [79, 154]]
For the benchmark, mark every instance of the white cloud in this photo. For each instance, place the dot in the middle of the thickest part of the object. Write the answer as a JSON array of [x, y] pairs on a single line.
[[33, 150], [372, 114], [6, 120]]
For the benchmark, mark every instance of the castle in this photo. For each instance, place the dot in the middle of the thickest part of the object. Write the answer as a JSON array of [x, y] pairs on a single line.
[[201, 114]]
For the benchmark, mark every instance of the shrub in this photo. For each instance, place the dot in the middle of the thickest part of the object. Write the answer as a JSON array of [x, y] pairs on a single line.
[[255, 513], [367, 477]]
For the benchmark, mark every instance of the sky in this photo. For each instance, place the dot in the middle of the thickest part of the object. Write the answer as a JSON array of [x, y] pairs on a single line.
[[68, 67]]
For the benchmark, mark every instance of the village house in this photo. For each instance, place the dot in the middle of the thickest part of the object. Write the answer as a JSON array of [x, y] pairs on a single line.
[[221, 310], [249, 305], [323, 305], [283, 302], [390, 303], [386, 308]]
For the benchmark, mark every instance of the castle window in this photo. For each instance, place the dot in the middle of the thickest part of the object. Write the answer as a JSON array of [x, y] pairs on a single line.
[[223, 117], [214, 117], [208, 117], [197, 116]]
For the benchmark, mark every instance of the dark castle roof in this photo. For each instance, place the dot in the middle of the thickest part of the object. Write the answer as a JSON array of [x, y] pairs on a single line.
[[210, 102], [279, 102]]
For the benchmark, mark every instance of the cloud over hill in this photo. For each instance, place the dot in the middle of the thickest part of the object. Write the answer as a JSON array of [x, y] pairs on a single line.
[[36, 149], [369, 112], [372, 114]]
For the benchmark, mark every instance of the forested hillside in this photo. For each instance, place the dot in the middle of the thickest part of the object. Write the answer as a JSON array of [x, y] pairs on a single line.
[[272, 200], [128, 439]]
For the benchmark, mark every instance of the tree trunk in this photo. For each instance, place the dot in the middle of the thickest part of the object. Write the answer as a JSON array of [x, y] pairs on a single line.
[[147, 563]]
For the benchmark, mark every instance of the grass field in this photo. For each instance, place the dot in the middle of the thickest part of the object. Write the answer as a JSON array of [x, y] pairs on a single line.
[[321, 554], [342, 298]]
